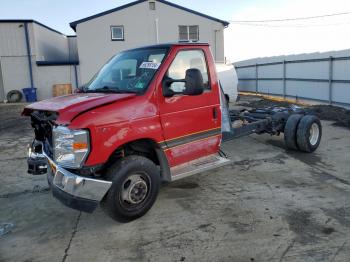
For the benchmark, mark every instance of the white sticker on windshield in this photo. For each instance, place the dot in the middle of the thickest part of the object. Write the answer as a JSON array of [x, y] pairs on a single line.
[[150, 65]]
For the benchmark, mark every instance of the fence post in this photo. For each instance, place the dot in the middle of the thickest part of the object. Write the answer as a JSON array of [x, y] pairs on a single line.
[[284, 79], [330, 82], [256, 79]]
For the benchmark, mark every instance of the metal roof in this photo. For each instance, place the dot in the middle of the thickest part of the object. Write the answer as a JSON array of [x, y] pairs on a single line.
[[29, 21], [74, 24]]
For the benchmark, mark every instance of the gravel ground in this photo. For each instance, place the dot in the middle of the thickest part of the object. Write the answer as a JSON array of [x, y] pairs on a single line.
[[270, 204], [11, 120]]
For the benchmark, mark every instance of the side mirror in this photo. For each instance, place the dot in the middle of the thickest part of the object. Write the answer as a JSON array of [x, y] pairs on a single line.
[[194, 85]]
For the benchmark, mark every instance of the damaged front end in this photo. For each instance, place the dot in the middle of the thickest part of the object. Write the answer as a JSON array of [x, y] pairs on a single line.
[[49, 154], [43, 123], [37, 162]]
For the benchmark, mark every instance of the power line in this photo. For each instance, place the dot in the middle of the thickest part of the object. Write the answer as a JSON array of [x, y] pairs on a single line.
[[293, 26], [288, 19]]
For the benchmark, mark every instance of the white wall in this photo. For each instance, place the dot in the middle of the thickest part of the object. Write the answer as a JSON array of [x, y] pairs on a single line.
[[49, 45], [73, 49], [94, 36], [13, 56], [51, 75], [46, 45], [12, 39], [52, 46], [15, 73]]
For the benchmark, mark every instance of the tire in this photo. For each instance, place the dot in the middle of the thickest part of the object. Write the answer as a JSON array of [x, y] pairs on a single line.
[[135, 187], [290, 131], [14, 96], [309, 133]]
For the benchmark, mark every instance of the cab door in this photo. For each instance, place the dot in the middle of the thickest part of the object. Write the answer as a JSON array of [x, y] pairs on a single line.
[[191, 124]]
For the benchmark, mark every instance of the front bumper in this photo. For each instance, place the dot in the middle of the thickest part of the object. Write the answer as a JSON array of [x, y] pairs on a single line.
[[75, 191], [71, 201]]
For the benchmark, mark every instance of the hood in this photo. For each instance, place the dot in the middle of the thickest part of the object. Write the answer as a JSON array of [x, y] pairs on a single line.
[[68, 107]]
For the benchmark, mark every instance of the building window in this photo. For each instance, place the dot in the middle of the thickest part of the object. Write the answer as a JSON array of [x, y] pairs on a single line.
[[189, 33], [152, 5], [117, 33]]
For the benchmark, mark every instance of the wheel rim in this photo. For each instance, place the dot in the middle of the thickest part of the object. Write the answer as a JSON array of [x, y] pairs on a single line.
[[135, 189], [314, 134]]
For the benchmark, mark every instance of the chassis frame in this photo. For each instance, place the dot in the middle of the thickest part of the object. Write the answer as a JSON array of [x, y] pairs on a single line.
[[271, 120]]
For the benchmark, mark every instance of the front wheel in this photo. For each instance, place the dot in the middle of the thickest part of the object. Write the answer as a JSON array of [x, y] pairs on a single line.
[[135, 186]]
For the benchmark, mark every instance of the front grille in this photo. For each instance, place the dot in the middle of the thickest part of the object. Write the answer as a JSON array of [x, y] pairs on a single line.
[[43, 123]]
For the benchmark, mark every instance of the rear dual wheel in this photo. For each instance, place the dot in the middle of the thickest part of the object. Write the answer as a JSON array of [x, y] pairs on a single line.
[[303, 133], [290, 131], [309, 133]]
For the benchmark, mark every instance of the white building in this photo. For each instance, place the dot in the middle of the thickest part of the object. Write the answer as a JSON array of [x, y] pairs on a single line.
[[140, 23], [34, 55]]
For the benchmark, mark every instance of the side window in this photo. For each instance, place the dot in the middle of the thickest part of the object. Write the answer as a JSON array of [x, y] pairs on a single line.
[[187, 60]]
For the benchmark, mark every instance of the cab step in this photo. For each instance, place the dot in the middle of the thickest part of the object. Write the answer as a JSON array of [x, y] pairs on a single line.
[[198, 166]]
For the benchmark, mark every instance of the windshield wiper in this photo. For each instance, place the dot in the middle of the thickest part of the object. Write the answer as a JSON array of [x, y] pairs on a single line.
[[107, 89], [128, 92]]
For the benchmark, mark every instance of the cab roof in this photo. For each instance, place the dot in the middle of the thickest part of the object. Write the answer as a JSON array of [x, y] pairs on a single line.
[[169, 45]]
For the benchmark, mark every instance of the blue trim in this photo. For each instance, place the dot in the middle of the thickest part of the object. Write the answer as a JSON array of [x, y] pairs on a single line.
[[29, 21], [29, 54], [56, 63], [74, 24]]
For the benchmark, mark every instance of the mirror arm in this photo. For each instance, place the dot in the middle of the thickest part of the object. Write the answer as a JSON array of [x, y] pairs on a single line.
[[167, 92], [170, 81]]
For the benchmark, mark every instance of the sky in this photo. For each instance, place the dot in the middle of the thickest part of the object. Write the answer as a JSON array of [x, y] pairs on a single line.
[[242, 40]]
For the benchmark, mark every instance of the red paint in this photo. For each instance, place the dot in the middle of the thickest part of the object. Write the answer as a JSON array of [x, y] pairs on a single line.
[[184, 115], [116, 119], [192, 151], [70, 106]]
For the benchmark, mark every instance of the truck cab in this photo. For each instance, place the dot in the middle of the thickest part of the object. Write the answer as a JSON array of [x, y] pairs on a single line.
[[150, 114]]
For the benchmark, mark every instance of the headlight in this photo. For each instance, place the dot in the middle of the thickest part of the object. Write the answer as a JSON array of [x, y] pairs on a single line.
[[71, 147]]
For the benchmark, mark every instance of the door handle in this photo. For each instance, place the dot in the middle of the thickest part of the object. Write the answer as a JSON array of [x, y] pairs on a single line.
[[215, 113]]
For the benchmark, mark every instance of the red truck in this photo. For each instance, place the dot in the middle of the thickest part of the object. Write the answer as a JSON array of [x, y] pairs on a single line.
[[151, 114]]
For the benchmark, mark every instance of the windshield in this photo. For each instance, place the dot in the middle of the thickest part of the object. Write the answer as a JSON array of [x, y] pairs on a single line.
[[127, 72]]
